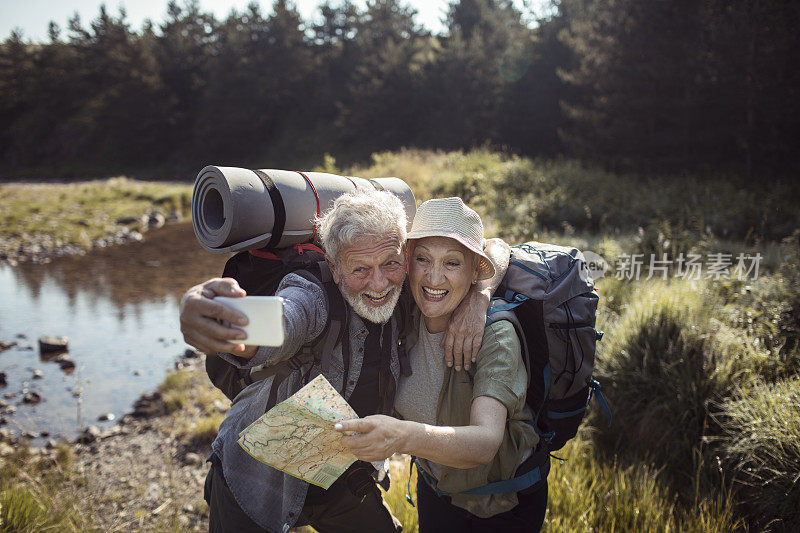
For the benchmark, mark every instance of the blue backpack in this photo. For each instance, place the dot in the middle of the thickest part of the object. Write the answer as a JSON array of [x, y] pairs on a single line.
[[550, 298]]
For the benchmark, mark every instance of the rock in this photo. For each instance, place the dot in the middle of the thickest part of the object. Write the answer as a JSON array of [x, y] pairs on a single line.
[[112, 431], [9, 395], [49, 344], [5, 449], [6, 345], [5, 434], [89, 435], [191, 353], [37, 374], [21, 336], [44, 434], [105, 417], [66, 364], [29, 434], [31, 397], [3, 404], [8, 410], [155, 219], [77, 394], [123, 221], [3, 379], [192, 458], [148, 405], [3, 421], [52, 443], [137, 372]]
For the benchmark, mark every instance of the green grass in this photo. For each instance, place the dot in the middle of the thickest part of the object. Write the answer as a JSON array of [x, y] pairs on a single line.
[[588, 494], [32, 495], [78, 213], [761, 443], [520, 198], [660, 365], [197, 406], [591, 494]]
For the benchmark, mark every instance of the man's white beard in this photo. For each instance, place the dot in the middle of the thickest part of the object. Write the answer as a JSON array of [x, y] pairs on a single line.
[[377, 315]]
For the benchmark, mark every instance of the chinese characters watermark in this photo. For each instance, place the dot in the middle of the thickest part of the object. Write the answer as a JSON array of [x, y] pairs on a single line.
[[690, 266]]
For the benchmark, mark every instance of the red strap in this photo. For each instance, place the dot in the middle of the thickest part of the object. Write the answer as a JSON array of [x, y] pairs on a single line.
[[308, 246], [315, 196], [351, 181], [303, 246], [264, 254]]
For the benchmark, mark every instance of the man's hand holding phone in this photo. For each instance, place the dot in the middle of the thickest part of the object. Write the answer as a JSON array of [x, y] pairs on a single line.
[[203, 320], [265, 318]]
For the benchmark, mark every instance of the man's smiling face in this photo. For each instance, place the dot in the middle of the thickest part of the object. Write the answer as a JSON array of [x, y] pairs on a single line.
[[371, 274]]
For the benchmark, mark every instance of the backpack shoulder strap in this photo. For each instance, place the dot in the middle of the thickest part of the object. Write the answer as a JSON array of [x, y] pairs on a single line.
[[318, 351], [321, 348], [403, 317]]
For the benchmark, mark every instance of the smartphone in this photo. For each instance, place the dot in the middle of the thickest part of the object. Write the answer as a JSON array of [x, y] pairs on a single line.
[[265, 315]]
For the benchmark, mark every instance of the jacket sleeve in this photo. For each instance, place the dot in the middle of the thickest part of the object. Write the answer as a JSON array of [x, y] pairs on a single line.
[[305, 313]]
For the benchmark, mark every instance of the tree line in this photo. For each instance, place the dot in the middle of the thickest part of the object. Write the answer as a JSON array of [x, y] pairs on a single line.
[[656, 86]]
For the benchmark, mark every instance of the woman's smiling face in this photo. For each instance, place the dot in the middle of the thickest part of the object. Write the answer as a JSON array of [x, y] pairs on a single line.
[[440, 273]]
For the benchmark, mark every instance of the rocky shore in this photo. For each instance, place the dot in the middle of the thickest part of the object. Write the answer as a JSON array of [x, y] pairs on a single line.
[[43, 247], [144, 473]]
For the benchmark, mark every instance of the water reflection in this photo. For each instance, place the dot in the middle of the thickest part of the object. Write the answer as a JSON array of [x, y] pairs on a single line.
[[118, 306], [159, 268]]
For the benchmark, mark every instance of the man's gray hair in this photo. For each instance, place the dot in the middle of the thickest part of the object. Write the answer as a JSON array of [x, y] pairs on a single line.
[[357, 214]]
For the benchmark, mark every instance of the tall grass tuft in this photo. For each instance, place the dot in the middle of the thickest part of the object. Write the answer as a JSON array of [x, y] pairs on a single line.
[[661, 366], [768, 311], [761, 443], [590, 495], [32, 495]]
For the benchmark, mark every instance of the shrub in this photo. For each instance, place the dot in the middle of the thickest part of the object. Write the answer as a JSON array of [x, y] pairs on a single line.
[[761, 443]]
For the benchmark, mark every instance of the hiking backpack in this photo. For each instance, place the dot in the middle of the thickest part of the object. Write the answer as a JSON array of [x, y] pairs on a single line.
[[550, 298]]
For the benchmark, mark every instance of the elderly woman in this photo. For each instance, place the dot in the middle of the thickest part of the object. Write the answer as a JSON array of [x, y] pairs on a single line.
[[469, 430]]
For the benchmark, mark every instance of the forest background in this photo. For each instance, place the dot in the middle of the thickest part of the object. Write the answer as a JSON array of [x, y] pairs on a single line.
[[652, 87]]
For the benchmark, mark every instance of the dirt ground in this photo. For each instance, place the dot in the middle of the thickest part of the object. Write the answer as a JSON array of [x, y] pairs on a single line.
[[142, 475]]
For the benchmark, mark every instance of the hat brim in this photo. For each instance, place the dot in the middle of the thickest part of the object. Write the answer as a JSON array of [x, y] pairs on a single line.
[[485, 266]]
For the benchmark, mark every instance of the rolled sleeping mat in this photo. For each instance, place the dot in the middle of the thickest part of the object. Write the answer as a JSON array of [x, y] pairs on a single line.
[[236, 209]]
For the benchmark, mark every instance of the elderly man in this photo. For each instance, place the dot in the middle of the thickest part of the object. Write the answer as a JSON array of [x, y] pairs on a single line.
[[364, 237]]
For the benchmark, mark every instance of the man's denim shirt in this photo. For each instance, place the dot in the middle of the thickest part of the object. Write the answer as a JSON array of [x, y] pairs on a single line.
[[268, 496]]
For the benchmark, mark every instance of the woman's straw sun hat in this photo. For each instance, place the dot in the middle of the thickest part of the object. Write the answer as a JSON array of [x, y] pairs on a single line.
[[450, 217]]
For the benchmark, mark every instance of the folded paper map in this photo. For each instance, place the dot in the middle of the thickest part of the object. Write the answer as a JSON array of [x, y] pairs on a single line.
[[297, 436]]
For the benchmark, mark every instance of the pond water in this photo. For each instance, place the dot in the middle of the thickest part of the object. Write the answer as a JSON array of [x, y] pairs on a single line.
[[118, 307]]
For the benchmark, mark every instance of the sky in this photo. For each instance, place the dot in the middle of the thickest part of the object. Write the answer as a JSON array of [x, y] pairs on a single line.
[[33, 16]]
